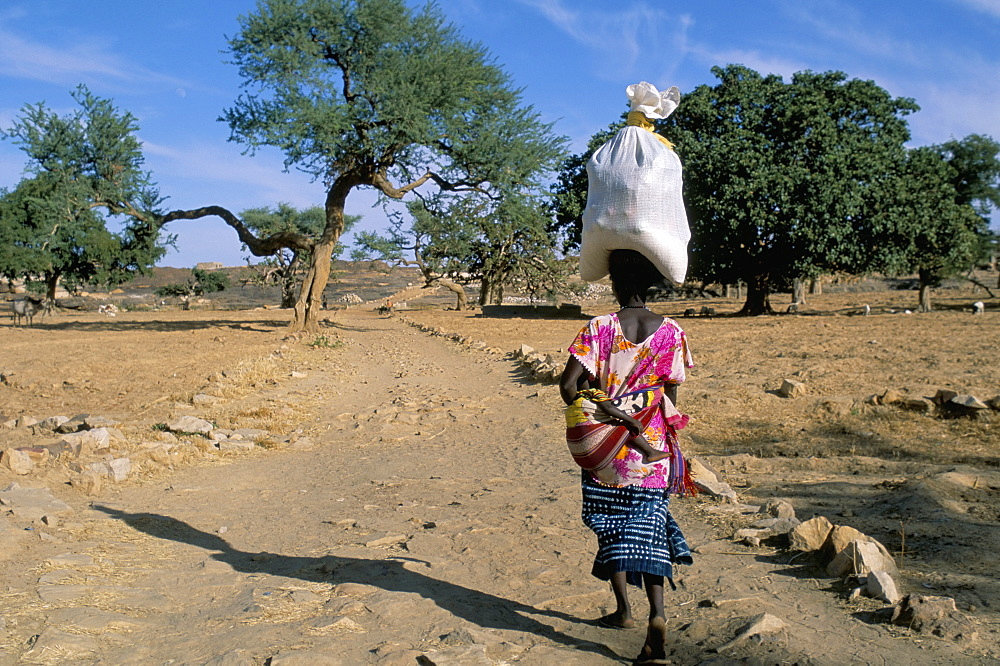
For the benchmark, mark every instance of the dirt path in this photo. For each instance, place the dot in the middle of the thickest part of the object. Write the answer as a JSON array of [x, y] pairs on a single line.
[[436, 517]]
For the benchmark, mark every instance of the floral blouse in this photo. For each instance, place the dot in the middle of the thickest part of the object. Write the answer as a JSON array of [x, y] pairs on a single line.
[[620, 367]]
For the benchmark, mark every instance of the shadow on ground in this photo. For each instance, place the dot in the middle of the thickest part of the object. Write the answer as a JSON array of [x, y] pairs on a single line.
[[480, 608]]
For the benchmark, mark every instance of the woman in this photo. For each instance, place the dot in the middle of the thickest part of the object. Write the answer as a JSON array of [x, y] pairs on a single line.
[[626, 502]]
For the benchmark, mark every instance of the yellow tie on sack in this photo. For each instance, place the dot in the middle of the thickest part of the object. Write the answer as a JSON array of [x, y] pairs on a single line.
[[638, 119]]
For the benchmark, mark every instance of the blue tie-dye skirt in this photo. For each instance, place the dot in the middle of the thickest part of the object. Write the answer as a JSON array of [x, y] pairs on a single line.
[[635, 531]]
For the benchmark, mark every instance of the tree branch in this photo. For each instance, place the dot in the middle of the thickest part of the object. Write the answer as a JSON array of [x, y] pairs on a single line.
[[259, 247]]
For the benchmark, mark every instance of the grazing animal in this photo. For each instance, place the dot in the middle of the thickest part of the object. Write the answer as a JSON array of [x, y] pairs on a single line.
[[25, 308], [978, 307], [108, 309]]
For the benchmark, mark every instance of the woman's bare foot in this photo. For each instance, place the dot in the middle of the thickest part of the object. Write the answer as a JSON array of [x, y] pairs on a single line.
[[617, 620], [654, 651]]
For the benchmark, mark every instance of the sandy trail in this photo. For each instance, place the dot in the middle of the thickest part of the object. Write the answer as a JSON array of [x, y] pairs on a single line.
[[436, 517]]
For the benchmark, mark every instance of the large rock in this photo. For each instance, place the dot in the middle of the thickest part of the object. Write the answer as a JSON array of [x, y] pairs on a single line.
[[880, 585], [859, 558], [778, 508], [762, 624], [17, 461], [934, 615], [707, 482], [810, 535], [189, 424], [791, 388], [87, 441], [50, 424]]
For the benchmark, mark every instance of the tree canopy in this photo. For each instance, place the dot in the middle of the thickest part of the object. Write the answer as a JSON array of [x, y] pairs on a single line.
[[83, 166], [782, 180], [370, 93]]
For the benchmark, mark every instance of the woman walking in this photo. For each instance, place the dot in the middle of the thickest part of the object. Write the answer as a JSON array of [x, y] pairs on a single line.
[[632, 357]]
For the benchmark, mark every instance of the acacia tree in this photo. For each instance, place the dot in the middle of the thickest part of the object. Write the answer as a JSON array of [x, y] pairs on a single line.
[[434, 243], [83, 165], [781, 178], [369, 93], [286, 267]]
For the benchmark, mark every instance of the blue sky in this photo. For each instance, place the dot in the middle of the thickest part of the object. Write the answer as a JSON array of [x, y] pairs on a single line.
[[165, 62]]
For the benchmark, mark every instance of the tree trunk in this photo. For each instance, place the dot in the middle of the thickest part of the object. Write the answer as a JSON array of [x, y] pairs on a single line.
[[816, 286], [758, 297], [459, 292], [490, 291], [925, 297], [309, 306], [51, 284], [799, 291]]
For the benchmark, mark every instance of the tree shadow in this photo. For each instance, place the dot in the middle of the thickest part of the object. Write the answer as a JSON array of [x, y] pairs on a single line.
[[480, 608], [160, 326]]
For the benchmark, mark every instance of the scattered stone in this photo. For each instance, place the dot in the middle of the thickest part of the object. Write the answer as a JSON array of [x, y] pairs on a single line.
[[91, 422], [305, 597], [966, 404], [70, 560], [30, 504], [778, 508], [51, 520], [204, 399], [708, 482], [236, 445], [86, 441], [765, 623], [251, 434], [390, 540], [525, 351], [26, 421], [922, 405], [880, 585], [299, 375], [791, 388], [17, 461], [892, 397], [859, 558], [810, 535], [120, 468], [50, 424], [778, 525], [943, 395], [87, 481], [840, 536], [74, 424], [934, 615], [188, 423]]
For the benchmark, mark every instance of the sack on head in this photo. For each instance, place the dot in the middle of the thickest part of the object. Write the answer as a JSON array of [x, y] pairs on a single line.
[[634, 198]]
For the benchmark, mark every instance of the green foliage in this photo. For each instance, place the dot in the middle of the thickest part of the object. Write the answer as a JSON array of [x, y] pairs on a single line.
[[975, 163], [200, 283], [325, 342], [83, 165], [785, 180]]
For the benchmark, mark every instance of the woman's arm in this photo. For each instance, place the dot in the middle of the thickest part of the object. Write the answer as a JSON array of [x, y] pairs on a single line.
[[574, 378]]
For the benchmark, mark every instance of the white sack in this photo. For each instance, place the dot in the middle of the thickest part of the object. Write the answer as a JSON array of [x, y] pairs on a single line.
[[634, 196]]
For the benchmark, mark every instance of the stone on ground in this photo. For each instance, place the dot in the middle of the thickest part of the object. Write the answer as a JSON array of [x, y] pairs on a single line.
[[188, 423], [859, 558], [934, 615], [880, 585], [765, 623], [810, 535]]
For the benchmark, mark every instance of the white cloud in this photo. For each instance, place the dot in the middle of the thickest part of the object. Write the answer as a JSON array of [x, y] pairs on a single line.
[[86, 61], [620, 39], [991, 7]]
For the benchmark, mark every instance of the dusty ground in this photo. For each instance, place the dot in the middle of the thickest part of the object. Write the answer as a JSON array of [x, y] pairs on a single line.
[[430, 507]]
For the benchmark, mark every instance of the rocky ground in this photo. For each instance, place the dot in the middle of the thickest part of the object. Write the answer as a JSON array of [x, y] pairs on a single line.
[[380, 494]]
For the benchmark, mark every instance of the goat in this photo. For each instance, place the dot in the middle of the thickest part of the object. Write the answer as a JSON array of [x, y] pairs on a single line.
[[25, 308]]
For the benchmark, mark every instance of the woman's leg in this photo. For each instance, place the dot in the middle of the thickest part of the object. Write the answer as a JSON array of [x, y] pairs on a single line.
[[654, 593], [655, 648], [622, 617]]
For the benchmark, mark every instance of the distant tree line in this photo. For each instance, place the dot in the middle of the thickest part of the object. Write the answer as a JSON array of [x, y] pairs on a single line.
[[784, 180]]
